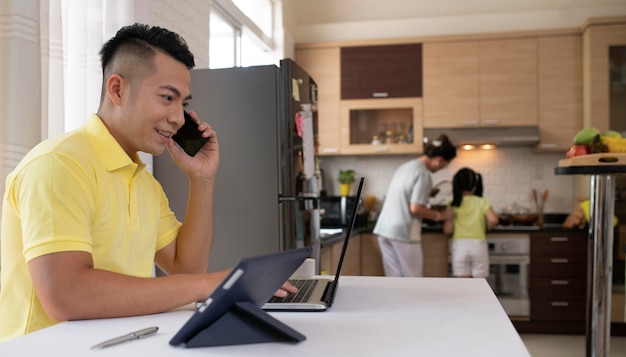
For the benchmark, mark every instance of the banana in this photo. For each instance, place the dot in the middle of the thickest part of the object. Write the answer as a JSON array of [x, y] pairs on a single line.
[[615, 145]]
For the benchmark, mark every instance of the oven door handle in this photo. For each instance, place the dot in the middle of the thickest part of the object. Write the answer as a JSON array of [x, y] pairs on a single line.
[[509, 259]]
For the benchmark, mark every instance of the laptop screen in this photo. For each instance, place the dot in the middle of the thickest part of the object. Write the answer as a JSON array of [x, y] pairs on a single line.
[[350, 227]]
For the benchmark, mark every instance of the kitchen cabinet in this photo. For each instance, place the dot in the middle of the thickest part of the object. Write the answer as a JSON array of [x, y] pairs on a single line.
[[490, 82], [381, 126], [323, 65], [598, 37], [329, 257], [363, 256], [560, 91], [508, 82], [558, 277], [451, 74], [436, 255], [371, 259], [387, 71]]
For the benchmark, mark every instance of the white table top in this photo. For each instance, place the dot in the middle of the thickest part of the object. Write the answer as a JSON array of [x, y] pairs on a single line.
[[372, 316]]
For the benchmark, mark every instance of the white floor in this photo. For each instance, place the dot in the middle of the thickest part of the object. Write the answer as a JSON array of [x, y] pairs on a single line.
[[567, 345]]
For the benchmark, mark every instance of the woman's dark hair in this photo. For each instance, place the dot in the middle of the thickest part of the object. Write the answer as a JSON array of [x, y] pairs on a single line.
[[440, 147], [141, 40], [466, 180]]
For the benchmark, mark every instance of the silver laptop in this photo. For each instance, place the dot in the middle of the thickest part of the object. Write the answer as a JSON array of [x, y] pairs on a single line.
[[316, 294]]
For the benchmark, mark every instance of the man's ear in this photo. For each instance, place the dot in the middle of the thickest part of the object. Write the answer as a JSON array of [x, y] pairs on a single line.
[[115, 88]]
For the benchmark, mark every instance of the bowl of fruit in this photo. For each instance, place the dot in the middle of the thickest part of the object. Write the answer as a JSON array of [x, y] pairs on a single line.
[[592, 147]]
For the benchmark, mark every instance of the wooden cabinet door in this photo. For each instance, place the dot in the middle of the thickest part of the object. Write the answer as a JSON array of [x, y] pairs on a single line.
[[508, 82], [329, 258], [323, 65], [381, 71], [596, 42], [451, 84], [560, 91], [435, 248], [371, 258]]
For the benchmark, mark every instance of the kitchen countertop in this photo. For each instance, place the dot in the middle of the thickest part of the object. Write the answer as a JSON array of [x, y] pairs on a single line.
[[335, 237], [548, 228]]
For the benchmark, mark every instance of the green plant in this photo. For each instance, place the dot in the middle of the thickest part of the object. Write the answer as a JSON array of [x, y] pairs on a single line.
[[346, 176]]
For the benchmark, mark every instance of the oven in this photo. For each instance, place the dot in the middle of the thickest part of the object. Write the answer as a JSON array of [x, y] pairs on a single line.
[[509, 262]]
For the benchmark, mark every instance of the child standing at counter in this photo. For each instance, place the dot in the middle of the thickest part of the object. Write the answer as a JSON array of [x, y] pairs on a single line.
[[473, 216]]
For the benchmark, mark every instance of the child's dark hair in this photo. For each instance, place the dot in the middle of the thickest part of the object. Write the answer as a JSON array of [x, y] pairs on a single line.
[[142, 40], [466, 180], [440, 147]]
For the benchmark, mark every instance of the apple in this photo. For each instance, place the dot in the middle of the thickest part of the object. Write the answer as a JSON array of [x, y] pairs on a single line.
[[577, 150]]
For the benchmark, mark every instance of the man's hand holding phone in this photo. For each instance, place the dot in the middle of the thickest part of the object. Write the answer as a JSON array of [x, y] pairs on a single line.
[[199, 156], [189, 137]]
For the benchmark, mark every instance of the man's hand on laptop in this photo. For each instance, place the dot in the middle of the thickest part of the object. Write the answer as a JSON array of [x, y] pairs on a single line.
[[285, 290]]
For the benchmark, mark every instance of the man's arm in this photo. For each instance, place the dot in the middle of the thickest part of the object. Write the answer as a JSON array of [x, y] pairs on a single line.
[[69, 288], [425, 212], [189, 253]]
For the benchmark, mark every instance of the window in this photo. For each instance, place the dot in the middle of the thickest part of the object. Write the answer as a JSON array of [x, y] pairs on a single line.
[[224, 46], [241, 33]]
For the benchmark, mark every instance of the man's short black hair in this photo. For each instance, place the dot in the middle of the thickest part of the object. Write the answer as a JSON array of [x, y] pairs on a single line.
[[143, 40]]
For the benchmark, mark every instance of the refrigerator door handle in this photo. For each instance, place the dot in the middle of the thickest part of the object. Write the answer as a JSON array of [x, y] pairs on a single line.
[[306, 202]]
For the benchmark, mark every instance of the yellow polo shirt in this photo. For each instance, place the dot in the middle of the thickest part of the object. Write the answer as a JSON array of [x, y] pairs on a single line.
[[77, 192]]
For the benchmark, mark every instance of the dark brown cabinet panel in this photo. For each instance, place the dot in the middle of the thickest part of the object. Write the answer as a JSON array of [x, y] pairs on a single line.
[[565, 309], [558, 276], [381, 71]]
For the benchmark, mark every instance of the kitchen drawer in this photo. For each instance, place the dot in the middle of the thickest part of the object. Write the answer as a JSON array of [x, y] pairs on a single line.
[[559, 309], [558, 266], [563, 244], [556, 288]]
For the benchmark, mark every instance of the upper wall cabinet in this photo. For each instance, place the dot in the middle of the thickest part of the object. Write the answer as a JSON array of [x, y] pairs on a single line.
[[381, 126], [480, 83], [508, 82], [392, 71], [323, 65], [597, 41], [451, 72], [560, 91]]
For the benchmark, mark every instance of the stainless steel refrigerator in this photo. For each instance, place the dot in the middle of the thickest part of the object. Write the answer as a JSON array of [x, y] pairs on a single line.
[[267, 193]]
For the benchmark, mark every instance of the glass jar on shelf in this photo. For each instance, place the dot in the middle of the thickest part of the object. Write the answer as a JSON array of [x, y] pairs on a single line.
[[390, 136]]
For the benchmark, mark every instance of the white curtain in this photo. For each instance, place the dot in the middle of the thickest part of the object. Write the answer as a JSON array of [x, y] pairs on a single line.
[[50, 74], [72, 32]]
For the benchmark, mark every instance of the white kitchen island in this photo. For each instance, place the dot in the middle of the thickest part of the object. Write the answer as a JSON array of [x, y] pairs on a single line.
[[372, 316]]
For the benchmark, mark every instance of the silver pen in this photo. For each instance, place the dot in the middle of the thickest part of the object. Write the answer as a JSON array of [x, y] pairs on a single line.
[[128, 337]]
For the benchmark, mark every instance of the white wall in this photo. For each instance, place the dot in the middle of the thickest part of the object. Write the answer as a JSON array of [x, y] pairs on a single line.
[[509, 175], [190, 19]]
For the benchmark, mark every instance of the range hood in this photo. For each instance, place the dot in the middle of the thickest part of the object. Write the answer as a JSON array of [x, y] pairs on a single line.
[[499, 136]]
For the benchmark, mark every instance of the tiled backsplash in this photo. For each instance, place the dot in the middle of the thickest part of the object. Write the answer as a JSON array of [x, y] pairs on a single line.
[[509, 175]]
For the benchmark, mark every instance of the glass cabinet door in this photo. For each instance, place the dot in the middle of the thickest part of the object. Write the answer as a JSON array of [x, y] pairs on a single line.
[[381, 126]]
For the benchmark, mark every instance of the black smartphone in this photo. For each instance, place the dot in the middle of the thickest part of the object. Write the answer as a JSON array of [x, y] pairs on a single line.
[[189, 137]]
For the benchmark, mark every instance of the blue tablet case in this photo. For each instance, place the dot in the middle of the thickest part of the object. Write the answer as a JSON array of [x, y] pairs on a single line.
[[232, 315]]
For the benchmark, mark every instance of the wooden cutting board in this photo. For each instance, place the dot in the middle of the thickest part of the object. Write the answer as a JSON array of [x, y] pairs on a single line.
[[602, 159]]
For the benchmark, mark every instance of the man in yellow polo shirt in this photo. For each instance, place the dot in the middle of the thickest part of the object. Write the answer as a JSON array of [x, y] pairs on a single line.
[[83, 222]]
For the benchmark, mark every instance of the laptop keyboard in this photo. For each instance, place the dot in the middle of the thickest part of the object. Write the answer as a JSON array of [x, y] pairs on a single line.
[[305, 288]]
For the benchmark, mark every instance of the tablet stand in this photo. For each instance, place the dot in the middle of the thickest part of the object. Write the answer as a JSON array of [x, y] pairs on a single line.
[[245, 323]]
